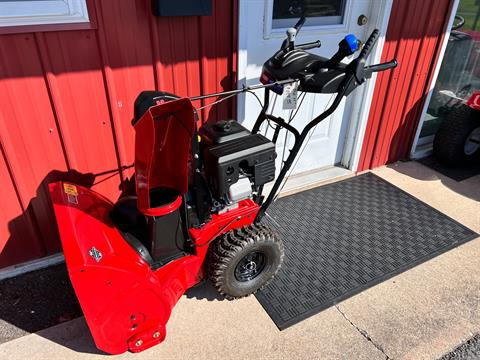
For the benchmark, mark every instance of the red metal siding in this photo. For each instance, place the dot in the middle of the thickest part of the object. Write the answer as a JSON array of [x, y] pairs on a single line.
[[67, 101], [414, 36]]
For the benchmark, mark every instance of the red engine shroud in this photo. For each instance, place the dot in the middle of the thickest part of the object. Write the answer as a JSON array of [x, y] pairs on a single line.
[[126, 304]]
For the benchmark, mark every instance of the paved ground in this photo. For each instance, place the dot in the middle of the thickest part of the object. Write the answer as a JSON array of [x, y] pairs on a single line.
[[470, 350], [423, 313], [35, 301]]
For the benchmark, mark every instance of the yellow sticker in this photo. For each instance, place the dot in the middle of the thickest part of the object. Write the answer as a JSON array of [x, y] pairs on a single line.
[[70, 189]]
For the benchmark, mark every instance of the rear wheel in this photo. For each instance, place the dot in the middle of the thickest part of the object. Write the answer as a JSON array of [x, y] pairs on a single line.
[[458, 138], [244, 260]]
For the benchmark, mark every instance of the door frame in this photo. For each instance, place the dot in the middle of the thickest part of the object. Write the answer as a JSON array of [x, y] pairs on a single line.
[[414, 153], [359, 109]]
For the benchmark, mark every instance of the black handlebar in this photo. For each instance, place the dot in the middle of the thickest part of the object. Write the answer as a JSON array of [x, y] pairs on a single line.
[[357, 66], [308, 46], [370, 43], [382, 67]]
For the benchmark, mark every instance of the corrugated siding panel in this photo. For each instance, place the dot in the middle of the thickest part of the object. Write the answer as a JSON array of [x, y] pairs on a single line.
[[399, 95], [67, 102], [30, 141], [15, 225]]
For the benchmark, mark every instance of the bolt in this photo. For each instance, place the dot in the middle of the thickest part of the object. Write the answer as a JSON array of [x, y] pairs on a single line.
[[156, 334], [139, 343]]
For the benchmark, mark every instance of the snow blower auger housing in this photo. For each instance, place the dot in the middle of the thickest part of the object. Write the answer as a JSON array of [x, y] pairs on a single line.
[[192, 210]]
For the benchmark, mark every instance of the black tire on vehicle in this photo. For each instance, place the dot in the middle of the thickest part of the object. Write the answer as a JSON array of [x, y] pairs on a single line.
[[244, 260], [454, 143]]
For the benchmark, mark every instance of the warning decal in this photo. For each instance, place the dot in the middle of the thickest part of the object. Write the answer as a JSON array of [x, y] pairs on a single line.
[[70, 189], [72, 193]]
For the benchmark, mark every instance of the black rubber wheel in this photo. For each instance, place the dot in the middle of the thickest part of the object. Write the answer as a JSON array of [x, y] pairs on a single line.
[[457, 140], [244, 260]]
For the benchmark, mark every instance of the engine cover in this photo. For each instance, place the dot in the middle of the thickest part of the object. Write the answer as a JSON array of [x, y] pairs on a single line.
[[228, 154]]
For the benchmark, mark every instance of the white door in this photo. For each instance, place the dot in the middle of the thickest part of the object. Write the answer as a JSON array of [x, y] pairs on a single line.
[[262, 29]]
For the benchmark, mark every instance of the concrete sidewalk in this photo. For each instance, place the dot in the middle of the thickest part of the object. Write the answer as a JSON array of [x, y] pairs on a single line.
[[420, 314]]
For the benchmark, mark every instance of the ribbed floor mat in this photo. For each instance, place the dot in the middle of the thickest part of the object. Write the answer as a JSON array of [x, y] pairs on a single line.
[[345, 237]]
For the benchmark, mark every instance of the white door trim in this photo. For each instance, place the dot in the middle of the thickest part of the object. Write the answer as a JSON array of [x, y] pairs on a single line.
[[414, 154], [242, 60], [358, 118], [361, 105]]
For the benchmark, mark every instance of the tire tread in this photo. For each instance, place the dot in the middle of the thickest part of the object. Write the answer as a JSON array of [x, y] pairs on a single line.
[[451, 136], [224, 250]]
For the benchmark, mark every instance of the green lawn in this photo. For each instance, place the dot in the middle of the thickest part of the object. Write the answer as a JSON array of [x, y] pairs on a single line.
[[469, 9]]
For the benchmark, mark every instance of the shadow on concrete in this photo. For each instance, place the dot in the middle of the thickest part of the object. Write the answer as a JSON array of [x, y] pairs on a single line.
[[469, 188], [74, 335], [204, 290], [35, 301], [42, 298]]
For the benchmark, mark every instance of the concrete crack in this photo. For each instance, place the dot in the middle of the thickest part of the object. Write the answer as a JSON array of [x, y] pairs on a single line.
[[364, 333]]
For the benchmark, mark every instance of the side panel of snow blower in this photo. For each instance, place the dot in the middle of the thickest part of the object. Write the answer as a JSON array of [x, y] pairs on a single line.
[[125, 302], [127, 284]]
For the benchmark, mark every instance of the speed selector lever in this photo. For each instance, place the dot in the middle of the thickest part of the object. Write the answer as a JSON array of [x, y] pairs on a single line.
[[346, 47]]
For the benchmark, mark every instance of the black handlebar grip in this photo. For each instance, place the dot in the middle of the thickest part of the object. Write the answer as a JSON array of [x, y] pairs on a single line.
[[367, 48], [382, 66], [308, 46]]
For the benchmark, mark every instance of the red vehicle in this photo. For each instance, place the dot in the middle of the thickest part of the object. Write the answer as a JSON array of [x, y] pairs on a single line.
[[193, 208], [457, 100]]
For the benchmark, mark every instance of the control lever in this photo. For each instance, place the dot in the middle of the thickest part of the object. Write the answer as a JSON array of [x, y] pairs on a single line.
[[289, 43], [300, 23], [308, 46], [292, 32], [357, 66], [346, 47], [367, 48]]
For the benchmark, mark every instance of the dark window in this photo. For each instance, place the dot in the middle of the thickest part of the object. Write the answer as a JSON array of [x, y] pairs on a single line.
[[319, 12]]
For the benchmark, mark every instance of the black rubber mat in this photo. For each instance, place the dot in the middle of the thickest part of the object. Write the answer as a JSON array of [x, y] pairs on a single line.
[[345, 237], [456, 173]]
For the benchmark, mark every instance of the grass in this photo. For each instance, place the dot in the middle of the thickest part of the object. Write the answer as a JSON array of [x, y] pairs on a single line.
[[469, 9]]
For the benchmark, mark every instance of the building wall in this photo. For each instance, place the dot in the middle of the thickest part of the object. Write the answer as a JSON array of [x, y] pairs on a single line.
[[67, 102], [67, 99], [414, 37]]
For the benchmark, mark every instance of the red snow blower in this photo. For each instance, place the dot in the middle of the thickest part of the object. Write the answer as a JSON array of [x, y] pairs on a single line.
[[192, 210]]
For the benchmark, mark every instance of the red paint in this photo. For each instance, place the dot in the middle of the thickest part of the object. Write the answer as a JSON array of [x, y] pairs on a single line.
[[474, 101], [399, 95], [122, 298], [67, 102], [163, 138]]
